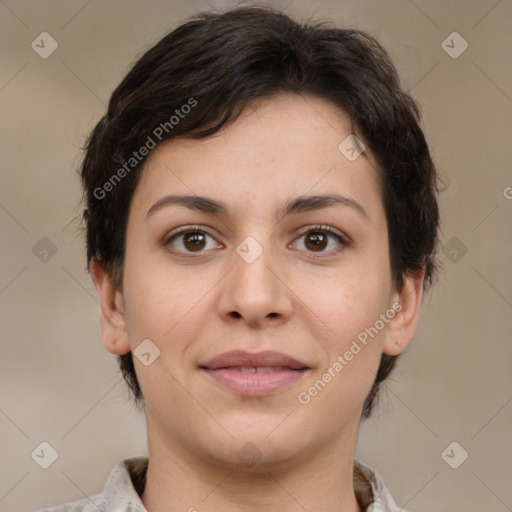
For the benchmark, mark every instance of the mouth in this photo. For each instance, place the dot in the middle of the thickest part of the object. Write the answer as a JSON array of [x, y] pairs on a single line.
[[254, 374]]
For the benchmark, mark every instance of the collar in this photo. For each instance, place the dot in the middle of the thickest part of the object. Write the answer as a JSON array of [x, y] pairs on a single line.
[[127, 480]]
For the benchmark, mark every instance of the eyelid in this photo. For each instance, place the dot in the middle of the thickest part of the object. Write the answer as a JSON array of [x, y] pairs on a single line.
[[187, 229], [328, 229], [342, 238]]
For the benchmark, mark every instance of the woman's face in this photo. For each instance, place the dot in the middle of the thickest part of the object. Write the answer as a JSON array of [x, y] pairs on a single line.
[[307, 283]]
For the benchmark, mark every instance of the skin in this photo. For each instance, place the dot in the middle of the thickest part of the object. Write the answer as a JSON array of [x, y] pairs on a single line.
[[306, 303]]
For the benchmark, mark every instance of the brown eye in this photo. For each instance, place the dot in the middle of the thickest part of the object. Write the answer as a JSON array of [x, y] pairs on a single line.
[[316, 241], [188, 241], [194, 241], [322, 240]]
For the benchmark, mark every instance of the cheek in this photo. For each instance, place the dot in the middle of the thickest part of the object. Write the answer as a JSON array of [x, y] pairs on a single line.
[[166, 308], [348, 309], [346, 301], [164, 304]]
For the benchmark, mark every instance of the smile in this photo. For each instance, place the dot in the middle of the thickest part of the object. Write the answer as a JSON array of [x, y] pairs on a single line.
[[254, 374], [255, 381]]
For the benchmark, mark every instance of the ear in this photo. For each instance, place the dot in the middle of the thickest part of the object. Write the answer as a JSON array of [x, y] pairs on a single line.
[[400, 330], [112, 317]]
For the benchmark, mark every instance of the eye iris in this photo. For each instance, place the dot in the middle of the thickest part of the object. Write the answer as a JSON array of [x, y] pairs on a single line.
[[194, 241], [319, 241]]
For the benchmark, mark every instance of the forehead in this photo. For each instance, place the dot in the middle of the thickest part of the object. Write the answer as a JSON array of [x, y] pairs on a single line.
[[285, 146]]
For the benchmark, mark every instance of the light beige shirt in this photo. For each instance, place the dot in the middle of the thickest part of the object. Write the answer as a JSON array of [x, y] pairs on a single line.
[[127, 480]]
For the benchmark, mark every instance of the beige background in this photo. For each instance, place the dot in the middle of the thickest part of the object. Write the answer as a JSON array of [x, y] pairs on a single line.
[[59, 385]]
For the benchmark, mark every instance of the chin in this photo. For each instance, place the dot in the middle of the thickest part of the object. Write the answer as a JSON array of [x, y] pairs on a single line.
[[258, 457], [261, 450]]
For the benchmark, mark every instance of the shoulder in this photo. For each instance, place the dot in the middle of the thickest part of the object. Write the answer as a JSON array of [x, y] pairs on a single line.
[[377, 496], [120, 494], [92, 504]]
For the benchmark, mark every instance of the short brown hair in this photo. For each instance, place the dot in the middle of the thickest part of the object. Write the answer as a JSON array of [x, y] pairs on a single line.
[[223, 63]]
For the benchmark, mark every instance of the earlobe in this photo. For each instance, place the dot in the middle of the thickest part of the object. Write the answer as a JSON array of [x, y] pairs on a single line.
[[112, 316], [402, 327]]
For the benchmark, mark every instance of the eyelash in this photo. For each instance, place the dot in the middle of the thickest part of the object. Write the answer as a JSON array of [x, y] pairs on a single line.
[[344, 241]]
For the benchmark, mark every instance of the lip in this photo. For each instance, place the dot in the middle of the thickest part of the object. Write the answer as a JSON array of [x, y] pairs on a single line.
[[278, 371], [239, 358]]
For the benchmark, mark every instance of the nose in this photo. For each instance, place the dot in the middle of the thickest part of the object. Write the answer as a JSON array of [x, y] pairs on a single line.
[[256, 292]]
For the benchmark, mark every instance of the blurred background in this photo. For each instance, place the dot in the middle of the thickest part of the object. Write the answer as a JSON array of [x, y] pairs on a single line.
[[441, 435]]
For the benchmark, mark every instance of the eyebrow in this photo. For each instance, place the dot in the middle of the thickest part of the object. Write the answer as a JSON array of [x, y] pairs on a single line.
[[299, 204]]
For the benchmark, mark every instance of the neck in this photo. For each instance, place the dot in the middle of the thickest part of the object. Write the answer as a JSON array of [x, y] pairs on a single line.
[[179, 480]]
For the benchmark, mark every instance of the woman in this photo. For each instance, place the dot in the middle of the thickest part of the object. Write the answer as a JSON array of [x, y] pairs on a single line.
[[261, 222]]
